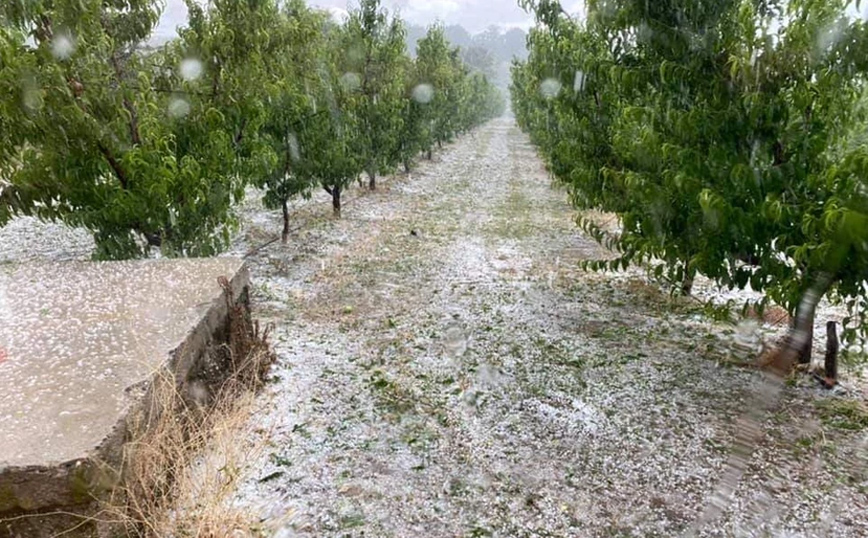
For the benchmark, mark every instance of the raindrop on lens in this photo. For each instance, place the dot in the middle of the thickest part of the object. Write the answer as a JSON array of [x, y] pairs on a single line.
[[471, 397], [490, 375], [356, 54], [190, 69], [830, 36], [31, 98], [550, 88], [747, 334], [351, 81], [178, 108], [644, 33], [712, 218], [62, 46], [423, 93], [455, 341]]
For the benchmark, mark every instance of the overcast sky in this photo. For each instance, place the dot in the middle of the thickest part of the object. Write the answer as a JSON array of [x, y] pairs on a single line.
[[474, 15]]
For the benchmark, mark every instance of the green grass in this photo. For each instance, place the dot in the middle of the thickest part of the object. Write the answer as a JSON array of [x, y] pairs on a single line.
[[843, 414], [513, 218], [390, 395]]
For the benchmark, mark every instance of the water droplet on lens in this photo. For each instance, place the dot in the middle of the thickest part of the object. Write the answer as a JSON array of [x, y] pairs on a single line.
[[489, 375], [747, 334], [190, 69], [31, 98], [294, 152], [831, 35], [62, 46], [178, 108], [351, 81], [356, 54], [550, 88], [455, 341], [423, 93]]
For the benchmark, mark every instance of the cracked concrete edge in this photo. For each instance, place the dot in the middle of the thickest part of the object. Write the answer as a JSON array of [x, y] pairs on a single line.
[[47, 499]]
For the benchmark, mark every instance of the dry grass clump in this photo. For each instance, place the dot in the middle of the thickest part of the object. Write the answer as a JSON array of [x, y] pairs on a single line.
[[185, 448]]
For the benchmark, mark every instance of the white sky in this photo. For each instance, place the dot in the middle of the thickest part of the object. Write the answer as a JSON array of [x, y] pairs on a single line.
[[473, 15]]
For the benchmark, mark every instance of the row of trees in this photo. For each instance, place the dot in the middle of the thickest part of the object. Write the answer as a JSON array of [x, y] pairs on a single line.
[[155, 147], [489, 52], [721, 132]]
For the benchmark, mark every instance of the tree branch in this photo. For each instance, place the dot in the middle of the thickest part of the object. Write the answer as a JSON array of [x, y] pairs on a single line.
[[128, 105], [239, 136], [114, 164]]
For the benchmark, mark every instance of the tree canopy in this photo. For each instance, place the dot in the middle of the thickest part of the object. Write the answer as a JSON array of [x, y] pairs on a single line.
[[719, 131], [154, 147]]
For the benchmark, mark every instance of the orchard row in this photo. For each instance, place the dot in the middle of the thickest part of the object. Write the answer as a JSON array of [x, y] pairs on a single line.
[[154, 146], [728, 135]]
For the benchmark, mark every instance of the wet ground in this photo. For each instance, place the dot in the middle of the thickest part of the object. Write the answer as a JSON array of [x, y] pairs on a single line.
[[447, 370], [78, 338]]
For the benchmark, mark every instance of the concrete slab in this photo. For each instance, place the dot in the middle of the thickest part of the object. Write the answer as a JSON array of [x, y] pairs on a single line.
[[78, 342]]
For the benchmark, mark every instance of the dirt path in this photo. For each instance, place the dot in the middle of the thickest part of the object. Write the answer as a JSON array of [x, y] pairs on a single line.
[[446, 370]]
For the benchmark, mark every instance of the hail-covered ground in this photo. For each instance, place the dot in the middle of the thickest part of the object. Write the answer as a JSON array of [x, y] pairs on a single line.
[[446, 369]]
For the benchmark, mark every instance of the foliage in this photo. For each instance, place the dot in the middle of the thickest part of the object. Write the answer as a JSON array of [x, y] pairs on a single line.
[[371, 107], [844, 414], [718, 132], [482, 102], [375, 50], [330, 139], [443, 96], [64, 75], [153, 147], [291, 104], [439, 66], [415, 134], [100, 141]]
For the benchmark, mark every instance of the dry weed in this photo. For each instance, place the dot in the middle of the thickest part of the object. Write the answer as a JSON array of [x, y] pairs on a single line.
[[184, 450]]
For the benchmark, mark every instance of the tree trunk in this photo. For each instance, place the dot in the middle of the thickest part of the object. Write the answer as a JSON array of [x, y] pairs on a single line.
[[430, 154], [440, 144], [407, 165], [803, 329], [372, 181], [285, 235], [336, 200], [801, 338], [832, 346], [154, 240], [799, 342], [808, 351], [687, 284]]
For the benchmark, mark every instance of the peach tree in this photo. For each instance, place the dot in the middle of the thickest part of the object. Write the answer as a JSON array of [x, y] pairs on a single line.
[[720, 132], [143, 147]]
